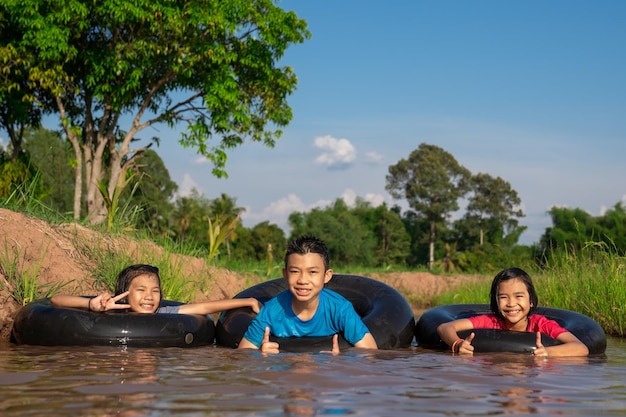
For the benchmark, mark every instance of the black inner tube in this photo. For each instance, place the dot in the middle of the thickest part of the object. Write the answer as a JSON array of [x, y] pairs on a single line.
[[385, 312], [40, 323], [491, 340]]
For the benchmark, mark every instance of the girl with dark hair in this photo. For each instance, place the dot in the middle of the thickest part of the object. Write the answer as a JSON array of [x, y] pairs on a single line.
[[513, 301], [138, 289]]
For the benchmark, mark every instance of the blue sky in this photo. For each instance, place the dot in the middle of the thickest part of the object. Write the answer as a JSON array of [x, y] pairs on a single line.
[[532, 91]]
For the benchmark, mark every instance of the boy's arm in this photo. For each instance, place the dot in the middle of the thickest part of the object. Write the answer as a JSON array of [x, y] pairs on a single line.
[[367, 342], [210, 307], [246, 344]]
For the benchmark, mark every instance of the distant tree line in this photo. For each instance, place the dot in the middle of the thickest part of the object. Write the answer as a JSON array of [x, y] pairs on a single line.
[[484, 238]]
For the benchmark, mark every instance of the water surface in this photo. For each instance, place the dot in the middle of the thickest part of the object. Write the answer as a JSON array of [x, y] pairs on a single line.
[[215, 381]]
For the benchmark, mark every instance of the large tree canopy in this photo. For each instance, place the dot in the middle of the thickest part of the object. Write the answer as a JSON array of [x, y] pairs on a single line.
[[492, 205], [209, 65], [432, 181]]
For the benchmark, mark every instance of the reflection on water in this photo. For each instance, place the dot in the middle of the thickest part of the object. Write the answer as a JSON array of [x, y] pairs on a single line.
[[211, 381]]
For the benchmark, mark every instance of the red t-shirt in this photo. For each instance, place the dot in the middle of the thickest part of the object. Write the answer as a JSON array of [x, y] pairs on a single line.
[[536, 323]]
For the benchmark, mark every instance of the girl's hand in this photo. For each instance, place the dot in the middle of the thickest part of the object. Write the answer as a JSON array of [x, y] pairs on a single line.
[[540, 350], [255, 305], [105, 302], [466, 347]]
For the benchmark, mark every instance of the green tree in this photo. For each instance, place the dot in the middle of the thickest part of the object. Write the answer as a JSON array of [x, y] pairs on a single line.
[[262, 241], [572, 229], [211, 66], [17, 112], [150, 194], [392, 240], [189, 218], [20, 176], [52, 157], [348, 240], [493, 207], [432, 182], [417, 228], [224, 210], [613, 224]]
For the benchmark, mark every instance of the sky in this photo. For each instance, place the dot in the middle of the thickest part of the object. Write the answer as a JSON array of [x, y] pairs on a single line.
[[530, 91]]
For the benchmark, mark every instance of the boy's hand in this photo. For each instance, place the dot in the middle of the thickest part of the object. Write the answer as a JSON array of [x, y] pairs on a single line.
[[335, 349], [268, 347]]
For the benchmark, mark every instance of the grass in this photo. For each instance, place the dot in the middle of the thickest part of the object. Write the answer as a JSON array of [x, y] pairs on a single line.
[[175, 283], [591, 281], [20, 281]]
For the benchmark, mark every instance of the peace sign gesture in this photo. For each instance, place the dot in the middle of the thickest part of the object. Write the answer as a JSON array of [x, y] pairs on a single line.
[[105, 302]]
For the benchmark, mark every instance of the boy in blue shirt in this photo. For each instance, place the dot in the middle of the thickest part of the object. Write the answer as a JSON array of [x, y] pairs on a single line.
[[306, 308]]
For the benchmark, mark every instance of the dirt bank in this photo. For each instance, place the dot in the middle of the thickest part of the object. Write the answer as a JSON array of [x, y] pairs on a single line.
[[55, 252]]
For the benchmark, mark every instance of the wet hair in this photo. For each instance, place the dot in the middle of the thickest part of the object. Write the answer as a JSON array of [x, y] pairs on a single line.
[[508, 274], [128, 274], [308, 244]]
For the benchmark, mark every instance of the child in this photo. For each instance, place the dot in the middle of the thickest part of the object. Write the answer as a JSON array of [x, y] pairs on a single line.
[[139, 289], [306, 308], [513, 302]]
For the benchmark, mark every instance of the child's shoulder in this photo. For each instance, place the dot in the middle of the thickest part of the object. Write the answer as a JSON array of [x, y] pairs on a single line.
[[333, 296]]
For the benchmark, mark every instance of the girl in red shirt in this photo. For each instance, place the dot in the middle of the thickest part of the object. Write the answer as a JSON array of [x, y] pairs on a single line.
[[513, 301]]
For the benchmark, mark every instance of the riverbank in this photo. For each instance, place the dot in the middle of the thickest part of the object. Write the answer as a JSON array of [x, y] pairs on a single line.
[[55, 256]]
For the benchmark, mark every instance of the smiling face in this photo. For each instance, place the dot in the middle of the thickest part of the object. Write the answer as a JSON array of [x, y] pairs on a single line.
[[306, 276], [514, 303], [144, 294]]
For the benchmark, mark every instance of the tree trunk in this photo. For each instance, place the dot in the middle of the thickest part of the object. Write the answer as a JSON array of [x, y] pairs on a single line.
[[72, 136], [431, 247]]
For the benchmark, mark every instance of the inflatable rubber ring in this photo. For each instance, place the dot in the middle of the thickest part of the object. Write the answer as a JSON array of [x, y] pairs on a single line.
[[385, 312], [40, 323], [490, 340]]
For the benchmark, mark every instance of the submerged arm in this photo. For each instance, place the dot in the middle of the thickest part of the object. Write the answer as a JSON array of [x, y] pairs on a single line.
[[570, 346], [449, 333]]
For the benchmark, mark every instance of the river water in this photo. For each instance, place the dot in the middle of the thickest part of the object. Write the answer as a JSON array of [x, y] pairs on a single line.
[[216, 381]]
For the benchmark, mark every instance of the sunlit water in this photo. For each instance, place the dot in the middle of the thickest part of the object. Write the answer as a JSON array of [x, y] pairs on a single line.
[[213, 381]]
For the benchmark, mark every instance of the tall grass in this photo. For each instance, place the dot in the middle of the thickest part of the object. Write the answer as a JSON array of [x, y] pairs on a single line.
[[175, 283], [591, 281], [20, 281], [22, 198]]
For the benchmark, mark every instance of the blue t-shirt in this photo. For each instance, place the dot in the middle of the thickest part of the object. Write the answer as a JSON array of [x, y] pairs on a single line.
[[334, 314]]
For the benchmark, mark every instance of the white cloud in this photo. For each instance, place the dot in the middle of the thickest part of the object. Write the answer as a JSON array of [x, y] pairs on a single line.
[[278, 211], [350, 196], [186, 185], [374, 157], [336, 153], [374, 199], [201, 160]]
